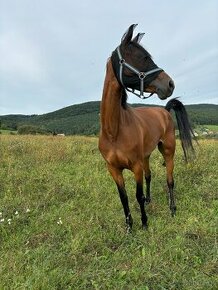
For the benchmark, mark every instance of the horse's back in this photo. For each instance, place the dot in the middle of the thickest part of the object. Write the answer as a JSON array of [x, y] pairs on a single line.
[[155, 118]]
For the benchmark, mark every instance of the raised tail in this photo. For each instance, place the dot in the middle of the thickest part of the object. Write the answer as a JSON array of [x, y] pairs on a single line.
[[185, 131]]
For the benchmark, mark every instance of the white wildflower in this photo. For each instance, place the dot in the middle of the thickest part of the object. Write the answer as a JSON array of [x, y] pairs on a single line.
[[9, 221], [59, 222], [16, 212], [27, 210], [2, 220]]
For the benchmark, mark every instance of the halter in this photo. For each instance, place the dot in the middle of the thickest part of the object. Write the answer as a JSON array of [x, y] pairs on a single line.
[[141, 75]]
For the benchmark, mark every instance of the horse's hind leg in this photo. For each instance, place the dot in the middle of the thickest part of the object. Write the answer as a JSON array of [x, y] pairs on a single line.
[[170, 183], [118, 178], [138, 171], [168, 149], [147, 180]]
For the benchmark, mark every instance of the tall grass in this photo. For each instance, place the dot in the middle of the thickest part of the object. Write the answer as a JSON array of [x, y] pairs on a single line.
[[62, 224]]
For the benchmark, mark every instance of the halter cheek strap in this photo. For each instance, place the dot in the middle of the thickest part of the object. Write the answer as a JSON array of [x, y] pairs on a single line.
[[141, 75]]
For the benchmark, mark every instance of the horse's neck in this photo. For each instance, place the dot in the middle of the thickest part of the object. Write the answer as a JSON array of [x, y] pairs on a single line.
[[111, 104]]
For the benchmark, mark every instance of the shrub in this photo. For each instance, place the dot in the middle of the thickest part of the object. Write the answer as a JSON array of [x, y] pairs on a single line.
[[31, 129]]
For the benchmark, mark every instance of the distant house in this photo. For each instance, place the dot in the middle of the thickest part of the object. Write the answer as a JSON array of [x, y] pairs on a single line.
[[56, 134], [204, 133], [61, 135]]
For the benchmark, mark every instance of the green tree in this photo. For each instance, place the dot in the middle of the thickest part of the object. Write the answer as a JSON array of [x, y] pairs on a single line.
[[31, 129]]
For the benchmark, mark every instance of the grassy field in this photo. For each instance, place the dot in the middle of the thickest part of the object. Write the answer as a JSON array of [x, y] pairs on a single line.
[[7, 132], [213, 128], [62, 224]]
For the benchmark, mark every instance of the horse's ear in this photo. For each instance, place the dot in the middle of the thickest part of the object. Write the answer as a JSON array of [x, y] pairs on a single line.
[[127, 37], [138, 37]]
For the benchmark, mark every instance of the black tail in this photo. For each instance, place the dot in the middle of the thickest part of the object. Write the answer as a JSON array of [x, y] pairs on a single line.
[[185, 131]]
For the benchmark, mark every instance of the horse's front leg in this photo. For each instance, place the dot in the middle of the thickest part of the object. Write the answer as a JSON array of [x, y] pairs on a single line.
[[148, 188], [118, 178], [147, 172], [138, 171]]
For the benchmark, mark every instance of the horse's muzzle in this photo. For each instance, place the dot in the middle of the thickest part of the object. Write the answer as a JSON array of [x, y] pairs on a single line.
[[165, 92]]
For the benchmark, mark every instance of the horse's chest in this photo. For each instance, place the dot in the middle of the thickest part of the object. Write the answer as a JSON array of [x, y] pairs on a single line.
[[123, 154]]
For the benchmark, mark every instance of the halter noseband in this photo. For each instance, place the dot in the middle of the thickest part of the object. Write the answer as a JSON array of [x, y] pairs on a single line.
[[141, 75]]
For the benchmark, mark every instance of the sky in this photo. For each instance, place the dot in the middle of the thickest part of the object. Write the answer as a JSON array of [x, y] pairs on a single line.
[[53, 53]]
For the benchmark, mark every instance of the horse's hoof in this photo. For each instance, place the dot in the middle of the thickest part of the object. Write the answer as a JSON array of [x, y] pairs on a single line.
[[147, 200], [128, 230], [144, 227], [173, 211]]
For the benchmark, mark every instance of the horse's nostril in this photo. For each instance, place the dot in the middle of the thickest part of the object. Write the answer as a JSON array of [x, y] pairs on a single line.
[[171, 84]]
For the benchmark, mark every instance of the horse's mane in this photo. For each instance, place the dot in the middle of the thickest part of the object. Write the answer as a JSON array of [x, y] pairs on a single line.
[[115, 65], [124, 98]]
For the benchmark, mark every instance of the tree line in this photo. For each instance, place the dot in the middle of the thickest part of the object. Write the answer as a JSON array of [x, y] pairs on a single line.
[[83, 119]]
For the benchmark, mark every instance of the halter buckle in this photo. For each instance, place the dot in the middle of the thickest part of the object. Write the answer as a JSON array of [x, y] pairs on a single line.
[[121, 61], [141, 75]]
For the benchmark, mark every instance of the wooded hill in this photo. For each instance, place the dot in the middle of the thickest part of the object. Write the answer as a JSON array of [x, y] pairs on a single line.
[[83, 119]]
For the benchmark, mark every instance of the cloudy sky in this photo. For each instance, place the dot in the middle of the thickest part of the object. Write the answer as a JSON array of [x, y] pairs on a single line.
[[53, 52]]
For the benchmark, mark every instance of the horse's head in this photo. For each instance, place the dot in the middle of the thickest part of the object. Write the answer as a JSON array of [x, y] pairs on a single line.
[[135, 69]]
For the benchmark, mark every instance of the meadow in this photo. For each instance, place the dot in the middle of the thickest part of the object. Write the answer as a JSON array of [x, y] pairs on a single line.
[[62, 224]]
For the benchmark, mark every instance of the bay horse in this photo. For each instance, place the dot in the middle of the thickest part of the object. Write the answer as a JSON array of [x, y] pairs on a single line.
[[129, 135]]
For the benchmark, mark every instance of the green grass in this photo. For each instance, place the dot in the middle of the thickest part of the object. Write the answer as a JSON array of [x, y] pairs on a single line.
[[7, 132], [213, 128], [64, 226]]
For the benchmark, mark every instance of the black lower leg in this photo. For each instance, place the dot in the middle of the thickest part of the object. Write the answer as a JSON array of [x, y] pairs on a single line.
[[171, 197], [141, 200], [124, 201], [148, 185]]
